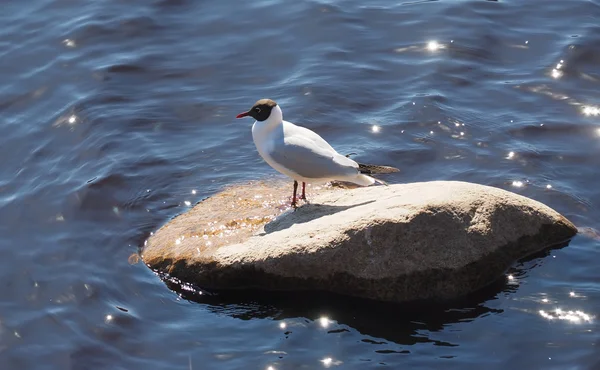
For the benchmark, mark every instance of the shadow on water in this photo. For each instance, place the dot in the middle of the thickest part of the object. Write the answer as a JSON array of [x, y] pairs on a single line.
[[307, 213], [401, 323]]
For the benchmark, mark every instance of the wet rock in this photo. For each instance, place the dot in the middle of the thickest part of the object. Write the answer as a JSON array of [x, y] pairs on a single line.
[[402, 242]]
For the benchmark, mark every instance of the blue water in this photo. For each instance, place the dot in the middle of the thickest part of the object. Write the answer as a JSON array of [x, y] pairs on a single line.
[[115, 113]]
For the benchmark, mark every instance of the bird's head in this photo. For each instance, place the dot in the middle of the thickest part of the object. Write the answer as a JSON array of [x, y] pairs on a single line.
[[261, 110]]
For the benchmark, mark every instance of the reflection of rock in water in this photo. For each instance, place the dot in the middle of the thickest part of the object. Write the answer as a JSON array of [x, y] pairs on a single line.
[[431, 240], [589, 232], [400, 323]]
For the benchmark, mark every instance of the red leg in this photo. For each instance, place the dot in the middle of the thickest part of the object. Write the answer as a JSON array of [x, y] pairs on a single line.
[[303, 196], [294, 196]]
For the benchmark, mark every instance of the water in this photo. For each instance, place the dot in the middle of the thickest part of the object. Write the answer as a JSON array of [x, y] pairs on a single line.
[[114, 113]]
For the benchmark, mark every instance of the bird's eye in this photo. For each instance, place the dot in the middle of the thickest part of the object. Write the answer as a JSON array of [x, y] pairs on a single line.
[[257, 109]]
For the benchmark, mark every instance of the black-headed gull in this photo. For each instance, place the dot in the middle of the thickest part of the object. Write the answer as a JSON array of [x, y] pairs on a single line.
[[301, 154]]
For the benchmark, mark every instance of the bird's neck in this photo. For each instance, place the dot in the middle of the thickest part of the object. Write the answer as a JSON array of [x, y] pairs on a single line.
[[275, 118]]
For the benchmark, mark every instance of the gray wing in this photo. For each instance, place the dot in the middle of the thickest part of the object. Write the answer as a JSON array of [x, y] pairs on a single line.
[[308, 134], [301, 156]]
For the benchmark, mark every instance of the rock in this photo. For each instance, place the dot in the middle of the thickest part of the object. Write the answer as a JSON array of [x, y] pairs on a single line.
[[440, 239]]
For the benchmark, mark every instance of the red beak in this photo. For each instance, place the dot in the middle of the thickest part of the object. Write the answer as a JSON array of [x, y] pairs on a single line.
[[242, 115]]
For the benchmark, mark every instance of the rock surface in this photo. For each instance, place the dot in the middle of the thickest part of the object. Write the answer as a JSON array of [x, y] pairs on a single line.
[[403, 242]]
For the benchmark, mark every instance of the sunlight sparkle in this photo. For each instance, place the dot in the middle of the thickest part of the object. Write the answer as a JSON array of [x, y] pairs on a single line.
[[327, 361], [591, 111], [433, 45]]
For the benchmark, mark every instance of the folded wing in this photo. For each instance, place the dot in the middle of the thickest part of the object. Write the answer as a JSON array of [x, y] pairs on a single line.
[[302, 155]]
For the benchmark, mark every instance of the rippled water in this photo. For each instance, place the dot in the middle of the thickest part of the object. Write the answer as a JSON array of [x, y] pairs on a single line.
[[114, 113]]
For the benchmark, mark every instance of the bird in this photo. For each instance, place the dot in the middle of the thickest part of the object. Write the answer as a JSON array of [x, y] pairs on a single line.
[[302, 154]]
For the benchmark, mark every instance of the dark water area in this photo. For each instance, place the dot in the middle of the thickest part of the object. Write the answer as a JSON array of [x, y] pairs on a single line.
[[117, 115]]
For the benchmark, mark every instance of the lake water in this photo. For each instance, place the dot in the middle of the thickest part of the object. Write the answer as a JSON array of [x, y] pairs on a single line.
[[116, 115]]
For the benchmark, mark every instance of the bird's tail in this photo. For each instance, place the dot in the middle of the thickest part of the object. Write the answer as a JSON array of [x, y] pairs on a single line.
[[372, 169]]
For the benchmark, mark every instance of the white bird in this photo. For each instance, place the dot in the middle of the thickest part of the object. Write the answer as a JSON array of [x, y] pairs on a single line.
[[302, 154]]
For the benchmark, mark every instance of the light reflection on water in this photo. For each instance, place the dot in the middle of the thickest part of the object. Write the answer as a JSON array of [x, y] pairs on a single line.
[[557, 72], [575, 317], [433, 45], [328, 362], [324, 322], [69, 43], [591, 110]]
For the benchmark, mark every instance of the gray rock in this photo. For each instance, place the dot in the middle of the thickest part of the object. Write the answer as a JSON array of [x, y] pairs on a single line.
[[403, 242]]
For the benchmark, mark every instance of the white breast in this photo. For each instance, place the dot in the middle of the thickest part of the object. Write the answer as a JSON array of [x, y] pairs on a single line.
[[264, 136]]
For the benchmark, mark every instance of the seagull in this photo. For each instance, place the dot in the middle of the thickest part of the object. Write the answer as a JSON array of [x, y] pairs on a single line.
[[302, 154]]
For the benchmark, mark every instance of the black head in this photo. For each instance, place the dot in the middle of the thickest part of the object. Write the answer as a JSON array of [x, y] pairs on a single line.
[[260, 111]]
